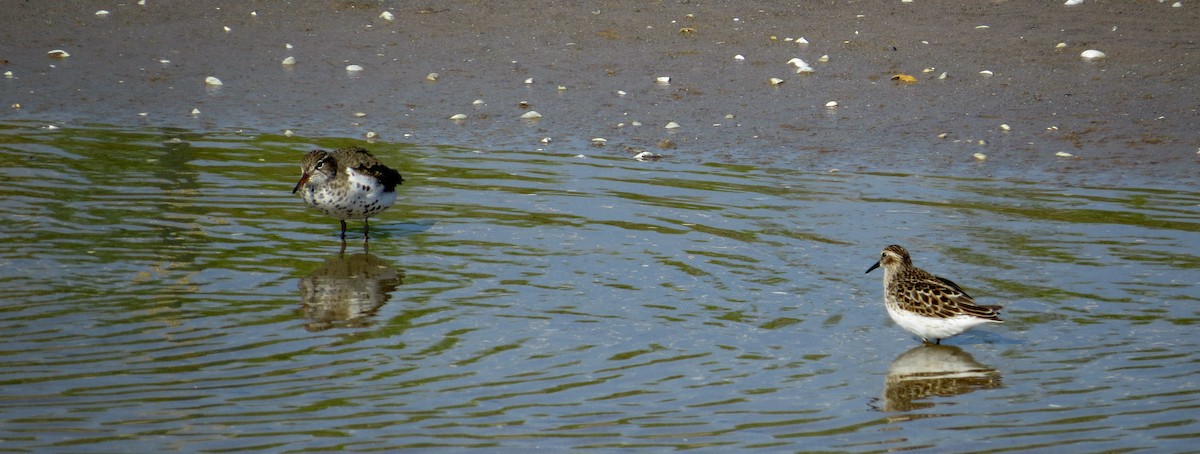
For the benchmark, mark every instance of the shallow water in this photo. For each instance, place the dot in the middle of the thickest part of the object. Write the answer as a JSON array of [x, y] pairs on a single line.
[[165, 290]]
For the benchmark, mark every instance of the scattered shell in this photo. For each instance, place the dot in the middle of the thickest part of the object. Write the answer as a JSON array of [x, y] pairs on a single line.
[[904, 78], [801, 40], [227, 29], [980, 27], [458, 117], [687, 30], [986, 73], [739, 57], [982, 142], [943, 135], [531, 115], [831, 104], [387, 16], [432, 77], [545, 140], [929, 70], [523, 104], [647, 156], [824, 58], [195, 111], [1063, 154], [287, 45], [620, 92], [289, 61], [1005, 127], [671, 125], [58, 53], [102, 13], [663, 79], [801, 66], [288, 133], [1060, 45], [210, 80], [51, 127], [359, 114], [1092, 54], [1177, 5], [599, 141], [562, 88], [372, 135], [980, 156], [635, 123], [729, 116], [477, 102], [775, 81], [8, 74], [164, 61], [1073, 2], [943, 76], [529, 81], [354, 68]]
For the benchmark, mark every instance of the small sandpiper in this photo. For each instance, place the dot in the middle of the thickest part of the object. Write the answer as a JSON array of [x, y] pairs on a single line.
[[929, 306], [348, 183]]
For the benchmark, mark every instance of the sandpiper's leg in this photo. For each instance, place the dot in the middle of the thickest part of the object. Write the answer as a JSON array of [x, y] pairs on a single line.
[[343, 229], [366, 229]]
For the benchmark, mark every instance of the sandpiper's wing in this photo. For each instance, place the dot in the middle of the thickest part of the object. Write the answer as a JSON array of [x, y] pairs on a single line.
[[363, 162], [942, 298]]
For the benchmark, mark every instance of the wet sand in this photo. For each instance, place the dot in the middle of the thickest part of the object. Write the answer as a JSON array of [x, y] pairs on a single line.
[[1128, 119]]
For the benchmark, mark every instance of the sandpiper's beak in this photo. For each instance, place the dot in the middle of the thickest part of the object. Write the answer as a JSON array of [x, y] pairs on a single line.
[[872, 268], [303, 179]]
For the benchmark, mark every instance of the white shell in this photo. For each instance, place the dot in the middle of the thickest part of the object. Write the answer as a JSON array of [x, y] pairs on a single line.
[[739, 57], [529, 80], [288, 133], [195, 111], [354, 68], [647, 156], [457, 117], [620, 92], [801, 40], [671, 125], [831, 104], [58, 53], [1092, 54], [8, 74], [477, 102], [210, 80], [824, 58], [1005, 127], [387, 16], [545, 140], [227, 29], [980, 156], [289, 61], [372, 135], [1063, 154], [775, 81], [531, 115], [1060, 45], [986, 73], [1073, 2], [432, 77], [599, 141], [102, 13], [663, 79]]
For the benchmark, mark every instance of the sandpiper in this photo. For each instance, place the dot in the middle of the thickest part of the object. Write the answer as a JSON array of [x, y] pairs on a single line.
[[929, 306], [347, 183]]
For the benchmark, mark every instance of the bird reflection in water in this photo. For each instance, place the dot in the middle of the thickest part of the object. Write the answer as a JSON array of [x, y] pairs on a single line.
[[346, 291], [933, 371]]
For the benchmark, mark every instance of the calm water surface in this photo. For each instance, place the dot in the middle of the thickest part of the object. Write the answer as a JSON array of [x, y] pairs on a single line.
[[165, 291]]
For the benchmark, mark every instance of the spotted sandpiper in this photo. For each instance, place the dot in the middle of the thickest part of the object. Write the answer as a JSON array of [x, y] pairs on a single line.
[[347, 183]]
